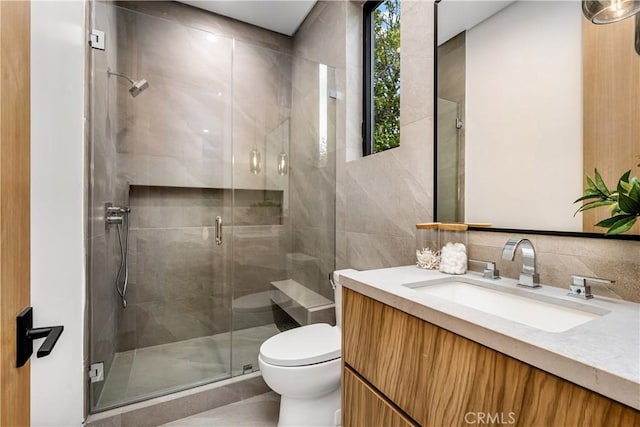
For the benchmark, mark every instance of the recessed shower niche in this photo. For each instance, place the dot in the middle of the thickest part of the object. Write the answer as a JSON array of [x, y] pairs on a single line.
[[178, 155]]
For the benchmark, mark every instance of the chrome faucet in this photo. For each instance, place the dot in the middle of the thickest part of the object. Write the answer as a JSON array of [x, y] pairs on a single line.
[[528, 276]]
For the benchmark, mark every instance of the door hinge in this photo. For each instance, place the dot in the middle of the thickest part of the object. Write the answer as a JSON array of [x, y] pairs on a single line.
[[96, 372], [96, 39]]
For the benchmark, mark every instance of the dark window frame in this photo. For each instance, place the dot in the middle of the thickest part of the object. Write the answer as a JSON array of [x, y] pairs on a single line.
[[367, 81], [368, 90]]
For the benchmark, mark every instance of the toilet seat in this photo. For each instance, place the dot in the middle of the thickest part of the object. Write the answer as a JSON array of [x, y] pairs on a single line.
[[306, 345]]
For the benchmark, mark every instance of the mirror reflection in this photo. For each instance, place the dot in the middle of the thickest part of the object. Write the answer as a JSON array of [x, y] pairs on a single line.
[[531, 96]]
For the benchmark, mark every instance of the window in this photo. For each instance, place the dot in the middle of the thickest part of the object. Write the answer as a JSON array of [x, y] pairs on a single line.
[[381, 109]]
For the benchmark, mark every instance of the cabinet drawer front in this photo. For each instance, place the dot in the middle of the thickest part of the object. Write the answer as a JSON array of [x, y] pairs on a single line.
[[363, 406], [383, 345]]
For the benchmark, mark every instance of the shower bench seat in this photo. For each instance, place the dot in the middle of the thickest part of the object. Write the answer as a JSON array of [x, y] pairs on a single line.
[[301, 303]]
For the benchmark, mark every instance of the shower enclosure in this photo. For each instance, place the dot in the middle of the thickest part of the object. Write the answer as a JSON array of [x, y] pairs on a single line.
[[211, 189]]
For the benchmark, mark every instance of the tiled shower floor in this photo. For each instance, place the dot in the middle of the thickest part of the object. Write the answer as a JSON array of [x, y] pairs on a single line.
[[150, 371]]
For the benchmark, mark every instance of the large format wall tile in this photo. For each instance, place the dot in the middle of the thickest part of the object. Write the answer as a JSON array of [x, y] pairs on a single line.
[[317, 243], [385, 198], [174, 262], [313, 173], [261, 112], [178, 131], [142, 169], [381, 197], [163, 207], [259, 258], [321, 36], [416, 61], [372, 251], [313, 197]]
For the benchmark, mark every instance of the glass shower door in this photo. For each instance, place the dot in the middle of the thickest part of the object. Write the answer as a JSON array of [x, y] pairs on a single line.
[[261, 126], [163, 152]]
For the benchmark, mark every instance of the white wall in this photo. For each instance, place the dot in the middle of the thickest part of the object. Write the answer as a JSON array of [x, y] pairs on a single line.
[[524, 117], [455, 16], [57, 207]]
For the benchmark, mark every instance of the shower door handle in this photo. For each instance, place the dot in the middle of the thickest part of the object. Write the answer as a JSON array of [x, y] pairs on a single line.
[[219, 230]]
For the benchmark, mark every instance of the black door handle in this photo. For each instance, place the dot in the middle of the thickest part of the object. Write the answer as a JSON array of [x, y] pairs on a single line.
[[51, 334], [26, 333]]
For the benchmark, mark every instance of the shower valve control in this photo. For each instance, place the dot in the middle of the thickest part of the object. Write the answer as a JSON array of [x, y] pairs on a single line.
[[115, 215]]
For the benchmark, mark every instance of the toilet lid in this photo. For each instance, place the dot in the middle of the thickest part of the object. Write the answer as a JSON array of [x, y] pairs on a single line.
[[301, 346]]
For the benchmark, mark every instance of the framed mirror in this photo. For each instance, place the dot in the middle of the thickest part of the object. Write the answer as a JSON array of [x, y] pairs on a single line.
[[531, 97]]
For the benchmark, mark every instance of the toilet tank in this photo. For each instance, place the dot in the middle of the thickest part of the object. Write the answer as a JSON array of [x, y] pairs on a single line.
[[337, 293]]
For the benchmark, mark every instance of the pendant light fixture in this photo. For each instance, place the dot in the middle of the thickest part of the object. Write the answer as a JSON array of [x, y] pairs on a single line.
[[283, 161], [255, 163], [609, 11]]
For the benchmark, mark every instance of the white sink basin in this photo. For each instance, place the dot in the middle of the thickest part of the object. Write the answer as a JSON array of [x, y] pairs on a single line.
[[538, 311]]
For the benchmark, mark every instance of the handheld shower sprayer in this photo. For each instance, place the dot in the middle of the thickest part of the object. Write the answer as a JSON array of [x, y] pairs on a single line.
[[119, 216], [137, 86]]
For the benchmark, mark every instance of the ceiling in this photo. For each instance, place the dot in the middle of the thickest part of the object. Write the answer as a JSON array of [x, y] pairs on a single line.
[[281, 16]]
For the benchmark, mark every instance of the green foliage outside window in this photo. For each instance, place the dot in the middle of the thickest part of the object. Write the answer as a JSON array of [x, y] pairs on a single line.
[[386, 75]]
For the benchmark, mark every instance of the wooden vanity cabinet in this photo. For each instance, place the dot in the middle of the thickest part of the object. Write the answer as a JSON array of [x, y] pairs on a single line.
[[437, 378]]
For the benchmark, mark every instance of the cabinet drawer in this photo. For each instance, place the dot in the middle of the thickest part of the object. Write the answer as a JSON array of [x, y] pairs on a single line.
[[384, 346], [440, 378], [363, 406]]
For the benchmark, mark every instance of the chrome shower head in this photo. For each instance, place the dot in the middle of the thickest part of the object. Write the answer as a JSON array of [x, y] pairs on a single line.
[[138, 86]]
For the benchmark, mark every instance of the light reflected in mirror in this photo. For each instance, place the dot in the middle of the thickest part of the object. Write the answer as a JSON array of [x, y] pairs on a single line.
[[514, 138]]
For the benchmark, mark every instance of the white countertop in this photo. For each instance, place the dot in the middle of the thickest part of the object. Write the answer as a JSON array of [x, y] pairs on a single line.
[[602, 355]]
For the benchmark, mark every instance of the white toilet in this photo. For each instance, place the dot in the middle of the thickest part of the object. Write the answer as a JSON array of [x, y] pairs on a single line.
[[303, 365]]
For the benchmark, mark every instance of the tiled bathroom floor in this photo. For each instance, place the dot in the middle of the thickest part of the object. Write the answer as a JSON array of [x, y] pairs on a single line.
[[258, 411], [148, 371]]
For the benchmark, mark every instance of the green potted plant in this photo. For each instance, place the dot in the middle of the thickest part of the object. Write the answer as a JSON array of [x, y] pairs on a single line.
[[624, 201]]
